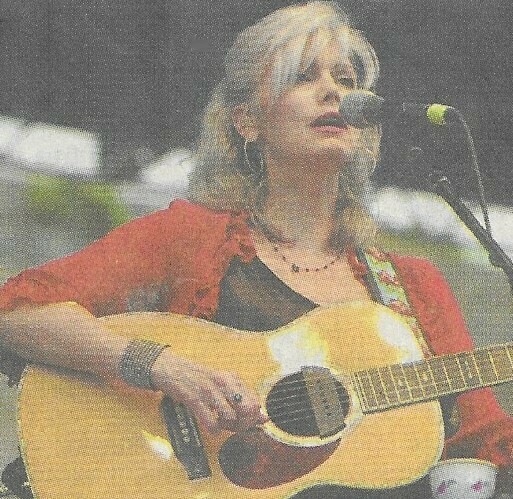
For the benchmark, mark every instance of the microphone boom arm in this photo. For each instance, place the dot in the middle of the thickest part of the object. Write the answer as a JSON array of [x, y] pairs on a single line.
[[496, 254]]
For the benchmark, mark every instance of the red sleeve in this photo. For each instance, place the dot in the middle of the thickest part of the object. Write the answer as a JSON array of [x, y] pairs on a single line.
[[174, 258], [185, 248], [100, 276], [486, 431]]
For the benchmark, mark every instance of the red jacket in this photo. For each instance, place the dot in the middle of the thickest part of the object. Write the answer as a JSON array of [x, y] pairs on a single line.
[[177, 257]]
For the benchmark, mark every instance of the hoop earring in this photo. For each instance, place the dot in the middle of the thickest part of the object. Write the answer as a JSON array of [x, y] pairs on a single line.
[[374, 157], [368, 160], [257, 172]]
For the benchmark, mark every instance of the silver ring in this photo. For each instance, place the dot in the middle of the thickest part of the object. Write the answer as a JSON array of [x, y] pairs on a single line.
[[237, 398]]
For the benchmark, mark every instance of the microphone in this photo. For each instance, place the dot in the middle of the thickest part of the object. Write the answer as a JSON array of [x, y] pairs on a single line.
[[363, 109]]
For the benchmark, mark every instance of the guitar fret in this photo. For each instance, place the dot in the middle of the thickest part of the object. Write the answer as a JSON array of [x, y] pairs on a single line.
[[454, 373], [420, 384], [430, 377], [471, 355], [447, 376], [379, 389], [368, 390], [413, 382], [485, 367], [410, 392], [441, 380], [503, 363], [507, 347], [357, 385], [388, 382], [426, 379], [468, 375], [463, 377], [490, 356], [449, 382], [401, 384], [360, 389]]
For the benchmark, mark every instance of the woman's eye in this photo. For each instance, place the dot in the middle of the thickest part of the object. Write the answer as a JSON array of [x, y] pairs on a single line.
[[305, 76], [346, 81]]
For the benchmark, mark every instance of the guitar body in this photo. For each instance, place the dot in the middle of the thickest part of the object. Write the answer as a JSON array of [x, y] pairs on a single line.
[[85, 438]]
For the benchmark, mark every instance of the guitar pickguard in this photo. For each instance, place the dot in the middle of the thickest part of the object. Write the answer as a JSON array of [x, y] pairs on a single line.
[[254, 460]]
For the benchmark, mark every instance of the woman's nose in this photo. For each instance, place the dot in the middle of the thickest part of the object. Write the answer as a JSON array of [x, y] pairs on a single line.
[[329, 90]]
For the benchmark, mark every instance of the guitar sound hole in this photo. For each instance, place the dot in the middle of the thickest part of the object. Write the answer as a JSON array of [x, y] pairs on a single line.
[[289, 405]]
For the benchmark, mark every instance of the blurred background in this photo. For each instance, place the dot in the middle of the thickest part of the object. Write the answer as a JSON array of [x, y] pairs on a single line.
[[99, 106]]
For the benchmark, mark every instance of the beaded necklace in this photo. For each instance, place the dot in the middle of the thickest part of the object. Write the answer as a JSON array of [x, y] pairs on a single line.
[[294, 267], [274, 241]]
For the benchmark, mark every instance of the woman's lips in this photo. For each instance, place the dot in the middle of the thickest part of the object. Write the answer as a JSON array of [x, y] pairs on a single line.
[[329, 123]]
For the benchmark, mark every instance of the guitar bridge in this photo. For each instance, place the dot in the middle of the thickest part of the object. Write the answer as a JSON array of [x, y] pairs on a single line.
[[185, 439]]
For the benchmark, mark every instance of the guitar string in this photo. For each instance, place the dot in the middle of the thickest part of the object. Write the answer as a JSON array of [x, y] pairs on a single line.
[[299, 402], [306, 412], [431, 372], [314, 406], [310, 413], [284, 399], [280, 402], [409, 366], [297, 412], [277, 401], [430, 365], [301, 384], [394, 377]]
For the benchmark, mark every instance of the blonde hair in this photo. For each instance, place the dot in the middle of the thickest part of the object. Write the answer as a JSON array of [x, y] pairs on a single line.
[[283, 41]]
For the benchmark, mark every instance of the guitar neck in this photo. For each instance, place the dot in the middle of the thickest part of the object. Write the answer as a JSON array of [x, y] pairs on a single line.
[[396, 385]]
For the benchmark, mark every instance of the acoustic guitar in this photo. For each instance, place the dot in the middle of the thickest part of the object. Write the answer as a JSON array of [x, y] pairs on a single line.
[[349, 397]]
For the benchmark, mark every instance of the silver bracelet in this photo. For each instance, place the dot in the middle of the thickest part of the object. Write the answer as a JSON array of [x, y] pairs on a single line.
[[137, 360]]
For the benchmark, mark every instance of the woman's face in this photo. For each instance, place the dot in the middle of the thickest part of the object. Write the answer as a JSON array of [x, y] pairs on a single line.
[[304, 122]]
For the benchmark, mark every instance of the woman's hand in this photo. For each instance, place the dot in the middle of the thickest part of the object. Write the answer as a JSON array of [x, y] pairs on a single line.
[[219, 400]]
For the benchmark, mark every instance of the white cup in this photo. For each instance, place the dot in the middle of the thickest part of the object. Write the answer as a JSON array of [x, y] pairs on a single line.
[[463, 479]]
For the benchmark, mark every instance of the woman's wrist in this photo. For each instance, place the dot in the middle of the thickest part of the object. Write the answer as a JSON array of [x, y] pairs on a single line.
[[137, 360]]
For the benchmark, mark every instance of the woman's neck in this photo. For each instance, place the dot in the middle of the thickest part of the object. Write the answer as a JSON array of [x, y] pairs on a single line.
[[300, 203]]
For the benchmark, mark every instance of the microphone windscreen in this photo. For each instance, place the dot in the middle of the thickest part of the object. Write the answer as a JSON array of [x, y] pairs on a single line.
[[361, 108]]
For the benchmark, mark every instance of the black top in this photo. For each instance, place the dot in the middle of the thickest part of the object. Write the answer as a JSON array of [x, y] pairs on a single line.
[[253, 298]]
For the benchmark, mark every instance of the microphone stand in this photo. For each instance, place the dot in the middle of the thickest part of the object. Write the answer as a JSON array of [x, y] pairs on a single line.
[[497, 256]]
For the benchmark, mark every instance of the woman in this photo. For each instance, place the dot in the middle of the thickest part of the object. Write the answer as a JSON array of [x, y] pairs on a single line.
[[276, 212]]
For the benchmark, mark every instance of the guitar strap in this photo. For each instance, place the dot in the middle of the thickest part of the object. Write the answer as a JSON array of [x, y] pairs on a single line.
[[384, 284]]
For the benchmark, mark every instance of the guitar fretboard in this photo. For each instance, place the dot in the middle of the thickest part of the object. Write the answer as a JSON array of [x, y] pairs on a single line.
[[391, 386]]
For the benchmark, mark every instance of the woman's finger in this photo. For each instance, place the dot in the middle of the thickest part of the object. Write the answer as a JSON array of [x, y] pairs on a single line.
[[205, 416], [244, 401]]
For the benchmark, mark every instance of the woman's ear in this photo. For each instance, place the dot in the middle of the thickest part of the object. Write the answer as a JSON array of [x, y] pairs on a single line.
[[244, 122]]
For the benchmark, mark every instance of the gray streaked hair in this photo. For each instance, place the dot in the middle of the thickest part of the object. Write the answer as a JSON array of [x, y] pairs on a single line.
[[283, 42]]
